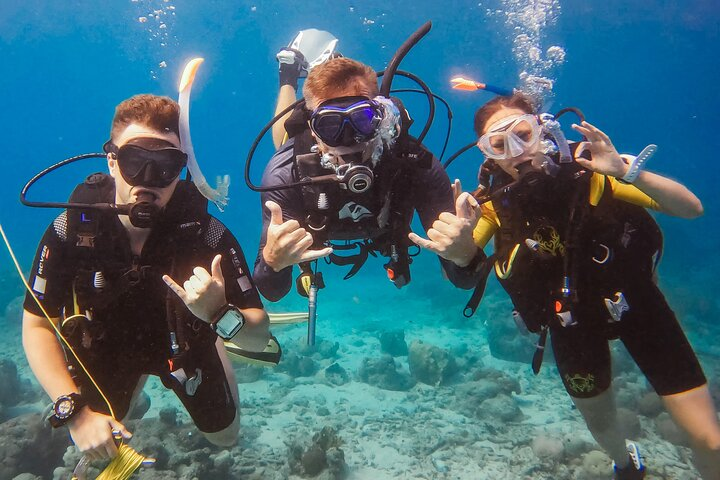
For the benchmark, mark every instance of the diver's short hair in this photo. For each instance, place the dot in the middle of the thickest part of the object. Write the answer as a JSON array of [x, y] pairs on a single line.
[[338, 74], [154, 111]]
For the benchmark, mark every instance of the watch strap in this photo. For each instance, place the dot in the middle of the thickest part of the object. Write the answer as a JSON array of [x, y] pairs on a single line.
[[638, 163], [78, 402]]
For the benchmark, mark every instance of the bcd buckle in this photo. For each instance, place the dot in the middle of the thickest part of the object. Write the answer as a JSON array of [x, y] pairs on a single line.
[[564, 315], [191, 384], [617, 306]]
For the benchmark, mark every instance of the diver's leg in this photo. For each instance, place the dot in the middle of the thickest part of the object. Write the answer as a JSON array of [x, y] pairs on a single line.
[[655, 339], [600, 414], [140, 402], [227, 436], [695, 413], [582, 356]]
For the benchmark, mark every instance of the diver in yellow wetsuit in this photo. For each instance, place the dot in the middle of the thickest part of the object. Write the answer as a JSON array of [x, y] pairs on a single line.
[[576, 251]]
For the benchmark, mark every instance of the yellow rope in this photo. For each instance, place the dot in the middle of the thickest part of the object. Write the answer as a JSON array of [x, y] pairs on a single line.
[[127, 460], [47, 315], [123, 466]]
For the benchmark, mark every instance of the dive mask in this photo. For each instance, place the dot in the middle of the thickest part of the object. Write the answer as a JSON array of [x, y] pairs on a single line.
[[146, 161], [510, 137], [346, 121]]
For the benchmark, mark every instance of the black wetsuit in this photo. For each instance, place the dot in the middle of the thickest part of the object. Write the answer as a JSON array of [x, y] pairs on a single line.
[[129, 332], [428, 191]]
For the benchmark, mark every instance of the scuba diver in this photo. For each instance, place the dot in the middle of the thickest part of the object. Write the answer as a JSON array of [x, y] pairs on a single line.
[[139, 279], [576, 250], [350, 172]]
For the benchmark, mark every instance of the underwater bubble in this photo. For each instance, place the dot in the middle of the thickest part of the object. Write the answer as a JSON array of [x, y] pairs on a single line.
[[142, 19], [253, 8], [162, 64], [528, 21], [534, 54], [556, 54]]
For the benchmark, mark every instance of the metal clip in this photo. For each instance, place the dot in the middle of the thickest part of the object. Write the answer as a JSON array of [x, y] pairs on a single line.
[[566, 318], [617, 307], [192, 383]]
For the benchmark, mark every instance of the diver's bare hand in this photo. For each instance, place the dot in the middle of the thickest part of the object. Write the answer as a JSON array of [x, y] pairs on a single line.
[[92, 433], [203, 292], [287, 242], [605, 158], [451, 236]]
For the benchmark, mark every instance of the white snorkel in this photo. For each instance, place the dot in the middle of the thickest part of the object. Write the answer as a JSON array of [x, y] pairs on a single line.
[[219, 195]]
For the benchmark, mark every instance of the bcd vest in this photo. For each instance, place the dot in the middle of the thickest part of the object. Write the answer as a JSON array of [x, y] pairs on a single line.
[[577, 231]]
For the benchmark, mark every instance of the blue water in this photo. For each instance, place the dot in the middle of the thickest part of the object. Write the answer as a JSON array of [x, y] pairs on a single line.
[[644, 72]]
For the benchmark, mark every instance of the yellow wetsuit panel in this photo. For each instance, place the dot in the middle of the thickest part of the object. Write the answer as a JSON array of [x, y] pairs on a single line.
[[620, 191], [486, 226]]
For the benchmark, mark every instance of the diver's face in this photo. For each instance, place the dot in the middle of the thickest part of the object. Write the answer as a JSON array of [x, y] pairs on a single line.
[[357, 88], [126, 193], [523, 131]]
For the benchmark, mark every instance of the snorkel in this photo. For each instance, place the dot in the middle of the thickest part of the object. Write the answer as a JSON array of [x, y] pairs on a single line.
[[219, 195], [142, 214]]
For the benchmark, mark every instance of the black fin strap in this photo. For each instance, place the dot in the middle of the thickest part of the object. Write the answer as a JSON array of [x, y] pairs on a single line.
[[540, 350], [483, 272]]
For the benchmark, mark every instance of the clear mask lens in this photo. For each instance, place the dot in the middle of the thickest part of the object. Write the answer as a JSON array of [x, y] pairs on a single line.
[[510, 137]]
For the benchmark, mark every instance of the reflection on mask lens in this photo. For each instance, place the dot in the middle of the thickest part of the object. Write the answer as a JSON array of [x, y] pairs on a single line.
[[346, 121], [150, 168]]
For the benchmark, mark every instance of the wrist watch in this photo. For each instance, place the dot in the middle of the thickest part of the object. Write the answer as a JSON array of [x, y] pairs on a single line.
[[228, 321], [64, 408]]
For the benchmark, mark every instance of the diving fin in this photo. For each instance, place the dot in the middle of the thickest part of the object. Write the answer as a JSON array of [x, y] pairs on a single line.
[[317, 46], [268, 357], [288, 318]]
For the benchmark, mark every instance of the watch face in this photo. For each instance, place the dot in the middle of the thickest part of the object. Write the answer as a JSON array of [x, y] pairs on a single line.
[[229, 324], [64, 408]]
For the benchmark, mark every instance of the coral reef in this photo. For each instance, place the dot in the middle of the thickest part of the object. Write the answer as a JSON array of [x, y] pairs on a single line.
[[430, 364], [382, 373], [322, 458], [393, 343], [336, 375]]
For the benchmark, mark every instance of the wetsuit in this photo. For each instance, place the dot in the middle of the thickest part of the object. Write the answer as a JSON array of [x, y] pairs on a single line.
[[649, 329], [128, 335], [427, 191]]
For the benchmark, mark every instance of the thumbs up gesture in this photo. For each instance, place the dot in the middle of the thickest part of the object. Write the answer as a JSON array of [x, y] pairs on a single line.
[[203, 292], [451, 235], [287, 242]]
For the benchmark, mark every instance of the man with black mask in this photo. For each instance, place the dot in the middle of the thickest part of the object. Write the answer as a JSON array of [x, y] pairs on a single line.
[[107, 282]]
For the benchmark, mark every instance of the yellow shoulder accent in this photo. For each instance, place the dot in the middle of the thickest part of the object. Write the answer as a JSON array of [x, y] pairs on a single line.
[[486, 226], [597, 188], [632, 194]]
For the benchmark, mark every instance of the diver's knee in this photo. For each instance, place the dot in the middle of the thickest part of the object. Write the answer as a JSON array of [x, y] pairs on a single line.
[[227, 437], [707, 441], [224, 438]]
